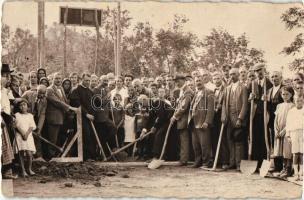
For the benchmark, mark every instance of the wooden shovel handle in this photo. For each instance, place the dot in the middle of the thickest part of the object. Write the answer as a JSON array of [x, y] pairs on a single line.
[[218, 147], [98, 142], [265, 121], [48, 142], [166, 140], [251, 123]]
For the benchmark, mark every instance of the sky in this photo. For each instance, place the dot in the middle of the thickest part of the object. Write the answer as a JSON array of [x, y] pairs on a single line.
[[260, 21]]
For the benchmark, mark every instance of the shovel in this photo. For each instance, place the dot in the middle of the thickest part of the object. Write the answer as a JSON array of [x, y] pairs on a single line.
[[249, 166], [48, 142], [217, 151], [128, 145], [266, 163], [98, 142], [154, 164]]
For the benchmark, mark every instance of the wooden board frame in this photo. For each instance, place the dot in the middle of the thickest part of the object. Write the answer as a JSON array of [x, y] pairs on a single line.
[[78, 137]]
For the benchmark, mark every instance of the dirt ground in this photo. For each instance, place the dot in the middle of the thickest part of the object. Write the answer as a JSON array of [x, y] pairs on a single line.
[[168, 181]]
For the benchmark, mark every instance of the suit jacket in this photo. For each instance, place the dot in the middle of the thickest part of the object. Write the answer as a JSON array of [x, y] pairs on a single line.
[[182, 109], [218, 98], [202, 109], [56, 105], [240, 100], [101, 104], [272, 104], [258, 90]]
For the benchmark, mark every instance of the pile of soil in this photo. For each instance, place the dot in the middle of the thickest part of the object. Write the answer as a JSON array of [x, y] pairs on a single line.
[[83, 171]]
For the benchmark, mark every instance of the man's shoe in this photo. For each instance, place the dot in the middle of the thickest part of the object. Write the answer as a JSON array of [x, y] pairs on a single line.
[[10, 176], [196, 165], [225, 167], [180, 163]]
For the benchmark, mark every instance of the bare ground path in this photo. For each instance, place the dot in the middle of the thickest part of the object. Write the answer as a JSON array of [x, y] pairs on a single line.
[[164, 182]]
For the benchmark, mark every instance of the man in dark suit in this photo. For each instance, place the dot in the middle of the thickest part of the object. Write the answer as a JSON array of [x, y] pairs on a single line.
[[56, 108], [218, 100], [200, 122], [82, 96], [101, 105], [274, 98], [234, 110], [181, 117], [259, 151]]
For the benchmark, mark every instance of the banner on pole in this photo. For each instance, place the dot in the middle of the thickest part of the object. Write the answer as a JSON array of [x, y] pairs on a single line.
[[80, 16]]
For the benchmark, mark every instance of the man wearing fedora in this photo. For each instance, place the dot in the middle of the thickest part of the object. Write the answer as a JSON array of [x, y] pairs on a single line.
[[181, 117], [6, 122]]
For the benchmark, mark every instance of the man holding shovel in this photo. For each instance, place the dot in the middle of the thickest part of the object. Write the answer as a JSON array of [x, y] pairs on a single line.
[[234, 111], [259, 151], [160, 113], [181, 117]]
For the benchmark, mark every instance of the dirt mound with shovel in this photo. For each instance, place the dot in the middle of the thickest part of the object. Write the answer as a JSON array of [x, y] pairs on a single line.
[[84, 171]]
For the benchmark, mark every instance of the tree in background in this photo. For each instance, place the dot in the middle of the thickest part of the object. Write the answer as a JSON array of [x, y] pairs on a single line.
[[294, 19], [221, 48], [19, 48]]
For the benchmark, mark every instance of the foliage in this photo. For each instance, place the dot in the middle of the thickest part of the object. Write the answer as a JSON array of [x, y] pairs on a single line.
[[294, 19], [221, 48]]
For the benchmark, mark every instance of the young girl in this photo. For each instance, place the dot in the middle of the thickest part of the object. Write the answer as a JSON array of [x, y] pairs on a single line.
[[294, 133], [283, 150], [25, 124]]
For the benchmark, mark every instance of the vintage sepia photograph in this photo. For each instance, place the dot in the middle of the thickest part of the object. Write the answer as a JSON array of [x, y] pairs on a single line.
[[152, 99]]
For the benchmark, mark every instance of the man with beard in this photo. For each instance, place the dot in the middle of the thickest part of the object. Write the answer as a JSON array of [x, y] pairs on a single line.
[[200, 122], [181, 117], [259, 151], [234, 110]]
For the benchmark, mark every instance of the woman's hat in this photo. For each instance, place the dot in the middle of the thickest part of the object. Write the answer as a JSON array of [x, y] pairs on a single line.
[[6, 69]]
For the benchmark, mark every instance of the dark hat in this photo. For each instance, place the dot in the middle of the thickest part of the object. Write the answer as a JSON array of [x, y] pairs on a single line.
[[179, 77], [6, 69], [258, 67]]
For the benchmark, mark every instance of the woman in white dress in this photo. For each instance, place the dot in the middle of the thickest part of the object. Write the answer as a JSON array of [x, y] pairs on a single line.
[[25, 125]]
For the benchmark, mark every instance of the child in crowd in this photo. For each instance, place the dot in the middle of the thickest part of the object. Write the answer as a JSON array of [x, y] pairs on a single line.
[[162, 95], [282, 148], [118, 117], [294, 133], [25, 125]]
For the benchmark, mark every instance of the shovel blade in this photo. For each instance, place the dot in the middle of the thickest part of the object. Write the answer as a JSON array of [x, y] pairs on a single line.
[[154, 164], [265, 168], [248, 167]]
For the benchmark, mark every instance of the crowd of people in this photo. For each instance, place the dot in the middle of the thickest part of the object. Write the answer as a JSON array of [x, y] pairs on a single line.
[[123, 108]]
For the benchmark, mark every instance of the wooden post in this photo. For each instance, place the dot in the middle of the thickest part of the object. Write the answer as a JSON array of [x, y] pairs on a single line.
[[41, 47], [97, 41], [115, 43], [118, 42], [65, 41]]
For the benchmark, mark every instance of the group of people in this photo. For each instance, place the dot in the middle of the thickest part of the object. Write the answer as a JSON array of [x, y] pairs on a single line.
[[196, 107]]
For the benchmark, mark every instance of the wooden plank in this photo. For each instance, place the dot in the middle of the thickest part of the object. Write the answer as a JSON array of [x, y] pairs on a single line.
[[66, 159], [133, 164]]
